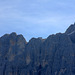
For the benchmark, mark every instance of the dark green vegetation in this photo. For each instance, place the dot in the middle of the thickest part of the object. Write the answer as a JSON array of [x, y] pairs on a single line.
[[52, 56]]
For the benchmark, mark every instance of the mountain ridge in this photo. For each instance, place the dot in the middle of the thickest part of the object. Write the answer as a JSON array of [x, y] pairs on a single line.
[[54, 55]]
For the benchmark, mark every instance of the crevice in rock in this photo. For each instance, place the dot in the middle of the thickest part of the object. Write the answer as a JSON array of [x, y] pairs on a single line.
[[4, 69]]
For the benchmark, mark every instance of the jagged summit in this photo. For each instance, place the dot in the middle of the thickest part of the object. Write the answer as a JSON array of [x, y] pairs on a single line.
[[71, 29], [54, 55], [71, 32]]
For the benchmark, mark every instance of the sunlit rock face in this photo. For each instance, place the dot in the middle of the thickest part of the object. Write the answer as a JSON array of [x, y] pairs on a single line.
[[52, 56]]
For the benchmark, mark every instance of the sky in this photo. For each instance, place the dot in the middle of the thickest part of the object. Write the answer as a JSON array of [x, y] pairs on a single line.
[[36, 18]]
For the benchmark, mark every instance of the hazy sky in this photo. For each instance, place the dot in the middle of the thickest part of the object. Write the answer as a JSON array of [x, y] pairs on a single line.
[[36, 18]]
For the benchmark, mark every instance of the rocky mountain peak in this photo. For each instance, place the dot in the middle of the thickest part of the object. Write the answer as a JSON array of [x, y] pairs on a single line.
[[71, 29], [54, 55], [13, 34], [71, 32]]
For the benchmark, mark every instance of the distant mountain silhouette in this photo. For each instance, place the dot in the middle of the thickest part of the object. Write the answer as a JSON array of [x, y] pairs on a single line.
[[54, 55]]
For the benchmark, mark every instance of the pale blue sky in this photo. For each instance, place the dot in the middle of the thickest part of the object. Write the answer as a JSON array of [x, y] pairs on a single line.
[[36, 18]]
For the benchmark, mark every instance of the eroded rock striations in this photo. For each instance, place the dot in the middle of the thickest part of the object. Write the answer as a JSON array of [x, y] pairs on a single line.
[[52, 56]]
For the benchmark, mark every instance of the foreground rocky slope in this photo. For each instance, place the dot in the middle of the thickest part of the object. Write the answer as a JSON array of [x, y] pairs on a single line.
[[52, 56]]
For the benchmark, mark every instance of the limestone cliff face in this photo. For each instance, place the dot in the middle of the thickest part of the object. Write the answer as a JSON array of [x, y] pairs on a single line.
[[52, 56]]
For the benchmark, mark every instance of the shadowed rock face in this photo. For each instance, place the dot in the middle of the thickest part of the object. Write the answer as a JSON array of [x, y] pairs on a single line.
[[52, 56]]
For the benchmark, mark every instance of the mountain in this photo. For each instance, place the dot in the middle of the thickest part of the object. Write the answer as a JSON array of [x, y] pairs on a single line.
[[54, 55]]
